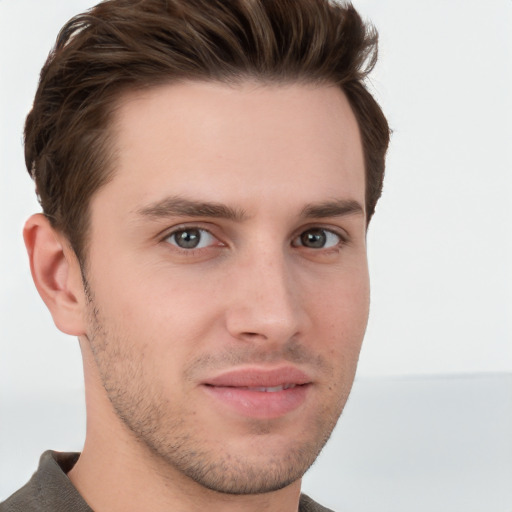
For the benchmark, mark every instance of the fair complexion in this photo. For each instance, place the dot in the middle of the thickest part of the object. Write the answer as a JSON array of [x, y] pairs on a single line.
[[226, 297]]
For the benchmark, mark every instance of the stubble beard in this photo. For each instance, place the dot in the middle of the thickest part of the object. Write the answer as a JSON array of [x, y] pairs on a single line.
[[171, 439]]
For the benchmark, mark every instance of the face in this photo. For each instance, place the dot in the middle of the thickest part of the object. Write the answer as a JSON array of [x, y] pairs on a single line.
[[227, 277]]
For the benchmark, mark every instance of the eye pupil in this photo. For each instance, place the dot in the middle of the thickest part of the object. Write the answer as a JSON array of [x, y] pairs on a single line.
[[315, 238], [188, 239]]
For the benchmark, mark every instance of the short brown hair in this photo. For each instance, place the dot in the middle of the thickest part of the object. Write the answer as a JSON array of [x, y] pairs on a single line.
[[128, 44]]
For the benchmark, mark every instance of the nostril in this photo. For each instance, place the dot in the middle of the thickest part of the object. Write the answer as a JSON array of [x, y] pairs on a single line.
[[252, 335]]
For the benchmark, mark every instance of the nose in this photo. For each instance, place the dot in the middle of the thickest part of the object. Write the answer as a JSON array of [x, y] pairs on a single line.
[[265, 301]]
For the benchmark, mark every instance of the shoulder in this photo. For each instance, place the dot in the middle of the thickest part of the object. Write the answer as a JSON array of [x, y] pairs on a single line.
[[306, 504], [49, 489], [23, 500]]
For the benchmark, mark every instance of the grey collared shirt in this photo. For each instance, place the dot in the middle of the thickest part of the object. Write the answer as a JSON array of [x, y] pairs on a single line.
[[50, 490]]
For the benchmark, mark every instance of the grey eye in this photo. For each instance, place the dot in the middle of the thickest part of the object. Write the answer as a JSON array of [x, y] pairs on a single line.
[[192, 238], [317, 238]]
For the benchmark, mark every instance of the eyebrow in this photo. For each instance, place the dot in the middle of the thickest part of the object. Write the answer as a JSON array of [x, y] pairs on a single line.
[[333, 208], [181, 207]]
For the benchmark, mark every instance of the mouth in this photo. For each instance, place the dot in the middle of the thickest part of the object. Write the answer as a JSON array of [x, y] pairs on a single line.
[[260, 393], [261, 378], [273, 389]]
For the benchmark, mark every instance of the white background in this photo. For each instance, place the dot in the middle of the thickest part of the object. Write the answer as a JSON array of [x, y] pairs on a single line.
[[440, 244]]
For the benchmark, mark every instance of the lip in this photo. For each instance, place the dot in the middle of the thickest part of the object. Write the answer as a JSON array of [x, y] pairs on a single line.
[[260, 377], [263, 393]]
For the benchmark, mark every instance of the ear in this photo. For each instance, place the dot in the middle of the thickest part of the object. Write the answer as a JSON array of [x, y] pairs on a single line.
[[56, 274]]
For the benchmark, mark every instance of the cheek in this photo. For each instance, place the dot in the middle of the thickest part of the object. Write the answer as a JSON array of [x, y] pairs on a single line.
[[341, 315], [162, 312], [343, 299]]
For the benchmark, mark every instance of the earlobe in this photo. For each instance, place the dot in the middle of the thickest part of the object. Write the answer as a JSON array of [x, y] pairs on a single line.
[[56, 274]]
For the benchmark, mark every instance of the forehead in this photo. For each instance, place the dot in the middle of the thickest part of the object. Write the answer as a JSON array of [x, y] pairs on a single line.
[[244, 141]]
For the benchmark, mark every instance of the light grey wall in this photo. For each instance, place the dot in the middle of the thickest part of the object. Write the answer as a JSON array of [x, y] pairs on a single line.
[[441, 243]]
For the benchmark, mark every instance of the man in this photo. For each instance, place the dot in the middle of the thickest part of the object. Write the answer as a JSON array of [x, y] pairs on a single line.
[[207, 171]]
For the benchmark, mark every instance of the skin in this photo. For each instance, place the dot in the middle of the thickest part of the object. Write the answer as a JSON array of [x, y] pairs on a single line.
[[279, 280]]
